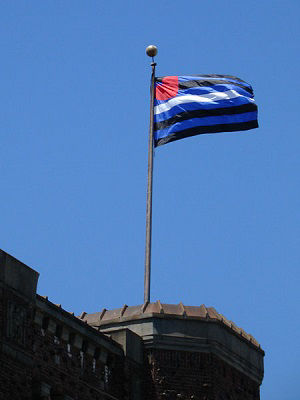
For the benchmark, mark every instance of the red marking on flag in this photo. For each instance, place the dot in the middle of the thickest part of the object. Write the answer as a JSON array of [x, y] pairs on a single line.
[[166, 89]]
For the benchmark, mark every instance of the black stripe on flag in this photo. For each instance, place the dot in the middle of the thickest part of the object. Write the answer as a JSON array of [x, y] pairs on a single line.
[[160, 78], [208, 83], [212, 76], [220, 76], [204, 113], [243, 126]]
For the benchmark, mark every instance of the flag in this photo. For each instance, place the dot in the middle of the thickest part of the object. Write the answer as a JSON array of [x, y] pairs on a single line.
[[190, 105]]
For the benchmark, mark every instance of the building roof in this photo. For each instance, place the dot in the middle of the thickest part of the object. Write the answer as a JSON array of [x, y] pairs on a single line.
[[163, 310]]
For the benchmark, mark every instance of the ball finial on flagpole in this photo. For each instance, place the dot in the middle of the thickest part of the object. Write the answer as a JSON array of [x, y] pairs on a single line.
[[151, 51]]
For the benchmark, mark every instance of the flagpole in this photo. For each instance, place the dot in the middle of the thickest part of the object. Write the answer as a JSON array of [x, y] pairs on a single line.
[[151, 52]]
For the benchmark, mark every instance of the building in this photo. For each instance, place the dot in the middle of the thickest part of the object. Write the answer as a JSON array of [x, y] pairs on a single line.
[[149, 352]]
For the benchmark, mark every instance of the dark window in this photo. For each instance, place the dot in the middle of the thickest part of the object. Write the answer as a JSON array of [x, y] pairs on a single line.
[[97, 353], [71, 338], [58, 331], [45, 323], [85, 346]]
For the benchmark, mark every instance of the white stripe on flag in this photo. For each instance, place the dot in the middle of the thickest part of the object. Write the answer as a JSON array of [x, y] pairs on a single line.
[[189, 98]]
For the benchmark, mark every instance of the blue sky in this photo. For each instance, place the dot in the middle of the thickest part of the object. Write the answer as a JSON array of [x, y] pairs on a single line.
[[74, 128]]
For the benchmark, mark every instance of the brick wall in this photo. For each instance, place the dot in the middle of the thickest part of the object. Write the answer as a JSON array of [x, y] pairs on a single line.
[[232, 384], [185, 375], [15, 380]]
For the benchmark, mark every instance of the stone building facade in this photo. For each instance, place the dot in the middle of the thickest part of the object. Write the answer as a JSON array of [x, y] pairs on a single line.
[[149, 352]]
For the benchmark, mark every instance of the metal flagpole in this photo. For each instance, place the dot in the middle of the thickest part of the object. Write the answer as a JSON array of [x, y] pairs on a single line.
[[151, 52]]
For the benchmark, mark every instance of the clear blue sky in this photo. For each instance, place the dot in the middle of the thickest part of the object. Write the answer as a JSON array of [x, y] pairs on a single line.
[[74, 127]]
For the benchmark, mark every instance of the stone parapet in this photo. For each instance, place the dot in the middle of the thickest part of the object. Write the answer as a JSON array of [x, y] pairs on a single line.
[[18, 276]]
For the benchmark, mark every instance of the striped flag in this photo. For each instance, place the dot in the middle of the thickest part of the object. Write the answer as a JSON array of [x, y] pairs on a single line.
[[190, 105]]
